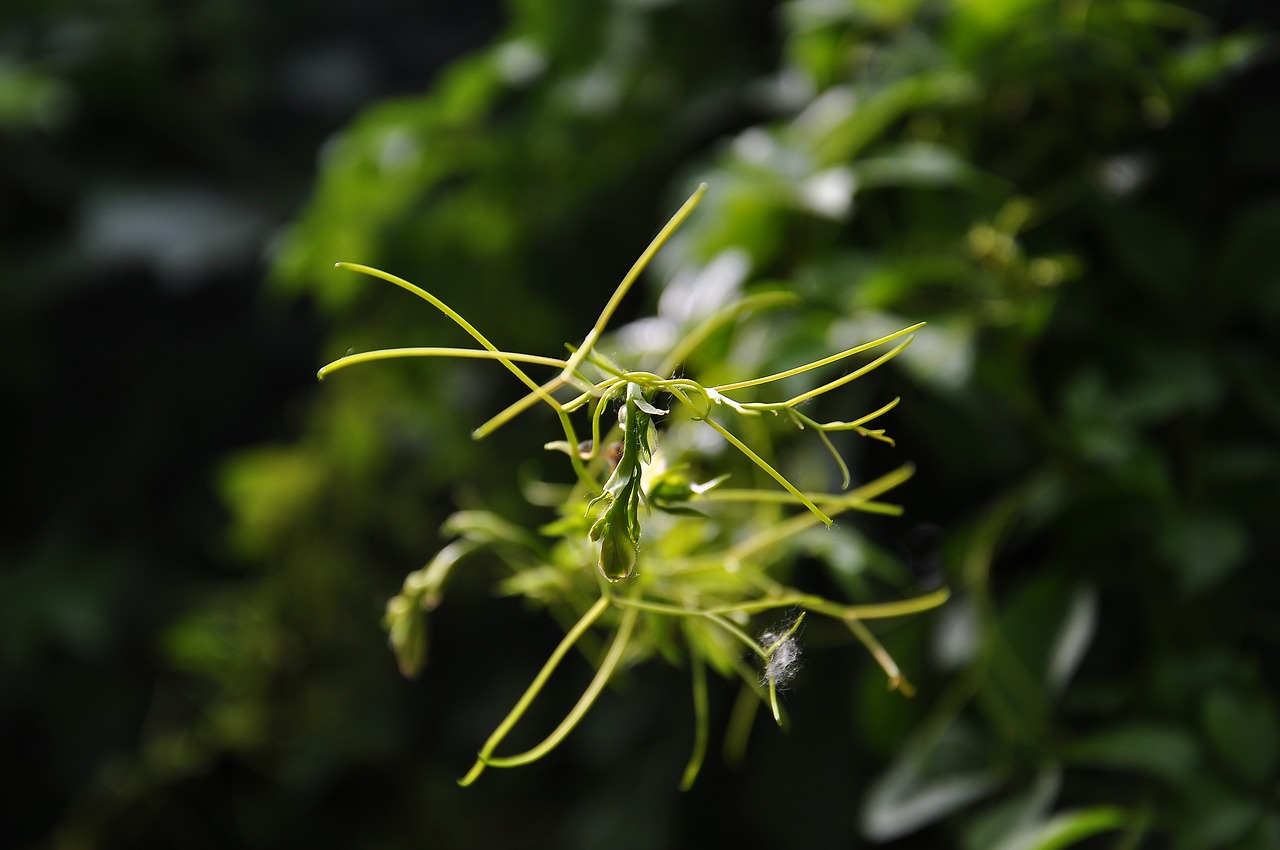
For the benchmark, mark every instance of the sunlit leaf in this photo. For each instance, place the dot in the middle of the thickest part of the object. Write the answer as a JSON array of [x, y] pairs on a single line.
[[931, 778], [1162, 751]]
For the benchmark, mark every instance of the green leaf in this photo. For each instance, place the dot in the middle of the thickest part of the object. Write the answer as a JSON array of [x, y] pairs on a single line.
[[1054, 622], [1266, 836], [913, 164], [1200, 64], [932, 777], [1075, 634], [1162, 751], [269, 490], [406, 624], [648, 408], [1244, 732], [1012, 818], [487, 527], [1068, 828], [1214, 818], [1203, 549]]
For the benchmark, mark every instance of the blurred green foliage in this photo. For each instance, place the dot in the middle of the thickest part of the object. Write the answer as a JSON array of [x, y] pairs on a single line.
[[1080, 199]]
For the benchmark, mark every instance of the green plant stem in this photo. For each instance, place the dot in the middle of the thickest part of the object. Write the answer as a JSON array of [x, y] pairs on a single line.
[[690, 342], [568, 375], [817, 364], [842, 502], [540, 392], [738, 730], [455, 317], [641, 262], [681, 611], [819, 605], [702, 721], [513, 717], [897, 682], [852, 376], [432, 351], [575, 460], [855, 425], [588, 698], [849, 614], [773, 473], [775, 534]]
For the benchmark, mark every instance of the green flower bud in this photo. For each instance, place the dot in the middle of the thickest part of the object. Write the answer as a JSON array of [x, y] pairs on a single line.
[[618, 552], [670, 486]]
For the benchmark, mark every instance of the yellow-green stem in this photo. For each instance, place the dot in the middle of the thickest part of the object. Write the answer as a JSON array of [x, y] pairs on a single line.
[[513, 717], [588, 698]]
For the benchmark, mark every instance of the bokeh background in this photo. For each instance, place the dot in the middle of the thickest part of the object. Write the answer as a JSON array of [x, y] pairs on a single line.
[[198, 539]]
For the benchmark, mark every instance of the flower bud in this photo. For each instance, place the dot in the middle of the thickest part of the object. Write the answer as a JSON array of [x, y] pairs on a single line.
[[618, 553]]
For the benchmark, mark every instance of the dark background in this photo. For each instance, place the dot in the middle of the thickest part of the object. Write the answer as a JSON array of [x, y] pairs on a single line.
[[198, 538]]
